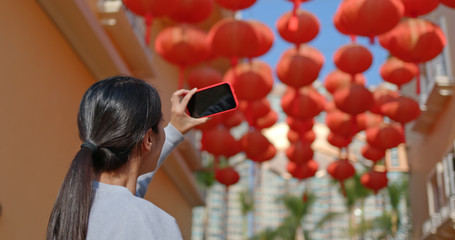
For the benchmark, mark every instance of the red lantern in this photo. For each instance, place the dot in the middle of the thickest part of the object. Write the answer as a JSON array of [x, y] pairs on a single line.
[[192, 11], [303, 103], [299, 152], [231, 119], [298, 68], [448, 3], [415, 8], [338, 79], [354, 99], [372, 153], [265, 38], [381, 96], [374, 180], [182, 45], [339, 141], [300, 125], [150, 9], [267, 120], [414, 40], [385, 136], [353, 58], [266, 155], [203, 76], [215, 140], [369, 18], [308, 136], [402, 109], [338, 22], [304, 27], [235, 5], [227, 176], [247, 76], [304, 170], [366, 120], [341, 123], [255, 109], [341, 169], [233, 39], [398, 72], [253, 143]]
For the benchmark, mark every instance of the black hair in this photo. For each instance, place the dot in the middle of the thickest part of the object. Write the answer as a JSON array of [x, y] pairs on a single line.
[[114, 116]]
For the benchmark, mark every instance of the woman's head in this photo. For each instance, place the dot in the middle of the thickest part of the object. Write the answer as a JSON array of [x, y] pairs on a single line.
[[115, 114], [118, 117]]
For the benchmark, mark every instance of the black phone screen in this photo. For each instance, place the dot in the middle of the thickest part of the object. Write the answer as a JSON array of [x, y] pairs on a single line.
[[211, 100]]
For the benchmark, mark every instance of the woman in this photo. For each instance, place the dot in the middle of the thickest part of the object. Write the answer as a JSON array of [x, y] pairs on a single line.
[[121, 126]]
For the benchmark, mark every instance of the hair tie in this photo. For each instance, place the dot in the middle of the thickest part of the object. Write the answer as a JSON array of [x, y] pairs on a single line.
[[88, 145]]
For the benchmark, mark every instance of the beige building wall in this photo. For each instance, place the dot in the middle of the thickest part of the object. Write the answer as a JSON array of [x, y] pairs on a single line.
[[433, 134], [42, 82]]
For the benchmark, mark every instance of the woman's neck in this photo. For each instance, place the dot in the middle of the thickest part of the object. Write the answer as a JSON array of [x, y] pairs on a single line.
[[125, 176]]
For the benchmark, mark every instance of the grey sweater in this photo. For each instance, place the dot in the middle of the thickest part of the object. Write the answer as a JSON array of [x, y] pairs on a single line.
[[117, 214]]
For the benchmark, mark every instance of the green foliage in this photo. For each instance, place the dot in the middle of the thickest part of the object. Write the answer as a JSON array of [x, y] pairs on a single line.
[[246, 202], [396, 190], [268, 234], [330, 216], [355, 191], [205, 178], [297, 209]]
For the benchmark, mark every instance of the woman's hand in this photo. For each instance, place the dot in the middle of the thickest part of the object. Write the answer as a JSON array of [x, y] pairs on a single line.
[[179, 118]]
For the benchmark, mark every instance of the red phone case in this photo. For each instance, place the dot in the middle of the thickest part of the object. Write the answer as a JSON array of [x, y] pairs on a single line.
[[233, 94]]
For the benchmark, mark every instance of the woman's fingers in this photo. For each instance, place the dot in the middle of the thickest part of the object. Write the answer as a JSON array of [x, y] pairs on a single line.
[[187, 97]]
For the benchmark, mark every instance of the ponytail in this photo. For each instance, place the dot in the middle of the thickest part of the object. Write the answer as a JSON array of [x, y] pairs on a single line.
[[114, 116], [69, 217]]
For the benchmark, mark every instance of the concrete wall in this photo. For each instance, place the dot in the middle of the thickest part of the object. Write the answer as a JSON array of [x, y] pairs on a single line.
[[42, 83]]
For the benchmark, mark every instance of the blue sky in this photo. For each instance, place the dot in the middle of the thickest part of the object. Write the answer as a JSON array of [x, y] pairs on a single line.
[[327, 41]]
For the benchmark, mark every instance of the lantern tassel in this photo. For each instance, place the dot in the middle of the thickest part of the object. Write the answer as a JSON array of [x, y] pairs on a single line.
[[371, 40], [148, 24], [404, 133], [305, 196], [343, 189]]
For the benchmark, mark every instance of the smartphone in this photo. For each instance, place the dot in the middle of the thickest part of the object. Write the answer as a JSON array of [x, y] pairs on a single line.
[[212, 100]]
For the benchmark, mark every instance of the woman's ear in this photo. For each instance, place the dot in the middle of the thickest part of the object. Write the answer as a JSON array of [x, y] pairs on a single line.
[[147, 142]]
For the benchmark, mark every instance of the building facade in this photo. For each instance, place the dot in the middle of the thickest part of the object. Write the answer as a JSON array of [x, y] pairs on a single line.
[[431, 141]]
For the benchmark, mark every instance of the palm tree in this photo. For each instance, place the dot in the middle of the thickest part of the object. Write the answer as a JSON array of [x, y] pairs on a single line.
[[389, 222], [291, 227], [355, 194]]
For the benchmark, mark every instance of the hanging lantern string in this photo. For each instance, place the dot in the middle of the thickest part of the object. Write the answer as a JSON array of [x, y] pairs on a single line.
[[226, 210], [418, 79], [294, 21], [353, 38]]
